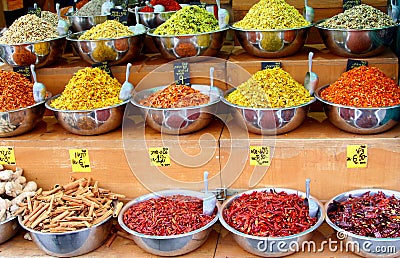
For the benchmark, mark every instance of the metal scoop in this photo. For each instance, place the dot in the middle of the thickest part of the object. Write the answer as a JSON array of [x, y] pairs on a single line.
[[209, 200], [311, 80], [394, 10], [312, 205], [39, 90], [211, 81], [127, 87], [308, 12]]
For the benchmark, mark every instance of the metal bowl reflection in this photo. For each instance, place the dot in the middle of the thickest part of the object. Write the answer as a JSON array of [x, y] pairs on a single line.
[[272, 43], [152, 19], [268, 121], [89, 122], [82, 23], [173, 245], [360, 120], [8, 229], [262, 246]]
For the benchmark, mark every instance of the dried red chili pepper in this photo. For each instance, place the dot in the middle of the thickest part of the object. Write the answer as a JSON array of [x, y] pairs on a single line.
[[16, 91], [363, 87], [165, 216], [269, 214], [169, 5], [371, 215]]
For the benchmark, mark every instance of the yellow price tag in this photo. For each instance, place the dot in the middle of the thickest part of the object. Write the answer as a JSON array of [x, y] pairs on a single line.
[[357, 156], [7, 156], [159, 156], [260, 156], [80, 161]]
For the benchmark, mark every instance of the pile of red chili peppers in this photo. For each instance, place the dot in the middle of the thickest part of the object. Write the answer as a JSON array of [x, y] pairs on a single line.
[[371, 215], [166, 216], [15, 91], [169, 5], [269, 214], [363, 87]]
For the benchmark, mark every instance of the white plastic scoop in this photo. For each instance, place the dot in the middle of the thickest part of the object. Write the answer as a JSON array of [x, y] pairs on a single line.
[[106, 7], [62, 25], [209, 200], [138, 28], [311, 80], [127, 87], [394, 10], [39, 90], [223, 16], [308, 12], [211, 81], [312, 205]]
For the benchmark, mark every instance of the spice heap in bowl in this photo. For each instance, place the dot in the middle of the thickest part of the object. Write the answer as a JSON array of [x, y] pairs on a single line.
[[178, 109], [272, 28], [152, 18], [368, 219], [191, 31], [363, 101], [361, 31], [90, 103], [31, 40], [110, 41], [168, 223], [260, 217], [87, 16], [70, 219], [270, 102]]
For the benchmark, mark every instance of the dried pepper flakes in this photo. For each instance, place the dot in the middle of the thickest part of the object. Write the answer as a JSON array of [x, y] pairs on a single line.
[[15, 91], [269, 214], [371, 215], [169, 5], [363, 87], [167, 215]]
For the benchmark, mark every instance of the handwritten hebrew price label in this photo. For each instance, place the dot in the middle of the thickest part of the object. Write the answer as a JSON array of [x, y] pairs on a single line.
[[357, 156], [159, 156], [260, 156], [7, 156], [80, 160]]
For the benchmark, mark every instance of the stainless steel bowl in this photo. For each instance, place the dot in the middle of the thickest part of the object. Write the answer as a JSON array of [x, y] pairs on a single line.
[[175, 47], [357, 43], [40, 53], [89, 122], [115, 51], [179, 120], [71, 243], [168, 245], [272, 246], [151, 19], [365, 246], [268, 121], [82, 23], [8, 229], [19, 121], [360, 120], [272, 43]]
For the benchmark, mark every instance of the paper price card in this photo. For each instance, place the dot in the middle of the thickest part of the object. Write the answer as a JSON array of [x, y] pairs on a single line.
[[7, 156], [351, 63], [159, 156], [24, 70], [270, 65], [182, 73], [118, 14], [80, 160], [260, 156], [357, 156]]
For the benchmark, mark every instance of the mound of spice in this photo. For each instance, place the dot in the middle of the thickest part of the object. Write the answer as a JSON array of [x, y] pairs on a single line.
[[371, 215], [16, 91], [272, 14], [363, 87], [167, 215], [176, 96], [270, 88], [92, 8], [359, 17], [88, 89], [189, 20], [169, 5], [269, 214], [107, 30]]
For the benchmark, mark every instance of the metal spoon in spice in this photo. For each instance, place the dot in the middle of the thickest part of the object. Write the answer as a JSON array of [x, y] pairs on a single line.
[[312, 205], [308, 12], [209, 200], [311, 80]]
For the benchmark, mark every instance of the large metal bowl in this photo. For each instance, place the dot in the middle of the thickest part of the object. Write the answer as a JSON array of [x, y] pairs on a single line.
[[360, 120], [179, 120], [168, 245], [365, 246], [40, 53], [268, 121], [8, 229], [89, 122], [357, 43], [272, 43], [152, 19], [272, 246], [174, 47], [115, 51], [71, 243], [82, 23]]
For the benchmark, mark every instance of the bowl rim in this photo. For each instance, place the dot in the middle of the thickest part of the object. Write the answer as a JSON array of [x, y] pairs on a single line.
[[155, 13], [150, 33], [320, 220], [70, 15], [49, 95], [47, 104], [360, 191], [231, 26], [79, 33], [317, 96], [317, 25], [223, 99], [35, 42], [159, 194], [158, 88], [8, 220]]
